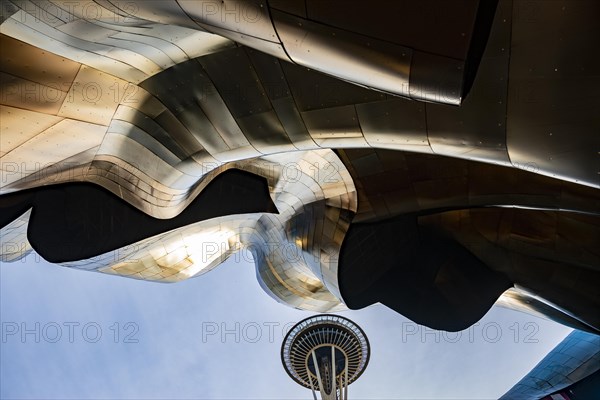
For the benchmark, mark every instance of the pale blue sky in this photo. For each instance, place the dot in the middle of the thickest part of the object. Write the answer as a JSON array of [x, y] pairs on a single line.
[[172, 359]]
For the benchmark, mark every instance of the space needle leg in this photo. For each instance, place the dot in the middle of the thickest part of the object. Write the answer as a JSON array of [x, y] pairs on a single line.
[[333, 380], [345, 381], [312, 388], [321, 388]]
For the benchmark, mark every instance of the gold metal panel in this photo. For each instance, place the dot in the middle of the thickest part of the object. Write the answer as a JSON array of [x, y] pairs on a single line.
[[55, 144], [28, 95], [93, 97], [23, 60], [17, 127]]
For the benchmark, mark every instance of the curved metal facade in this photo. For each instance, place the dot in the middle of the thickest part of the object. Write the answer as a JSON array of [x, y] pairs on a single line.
[[574, 359], [469, 127]]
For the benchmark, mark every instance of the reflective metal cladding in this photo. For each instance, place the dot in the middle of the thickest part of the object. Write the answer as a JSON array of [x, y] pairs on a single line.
[[435, 157]]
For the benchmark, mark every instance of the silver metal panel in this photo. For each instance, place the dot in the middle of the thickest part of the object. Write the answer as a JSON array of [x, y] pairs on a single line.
[[313, 90], [93, 37], [87, 30], [216, 110], [295, 7], [265, 132], [139, 157], [188, 80], [168, 48], [394, 124], [477, 129], [393, 175], [551, 254], [126, 177], [271, 48], [239, 86], [85, 9], [521, 300], [435, 79], [274, 81], [137, 188], [171, 124], [333, 123], [108, 4], [556, 85], [7, 9], [194, 119], [348, 56], [43, 10], [247, 17], [407, 23], [150, 127], [573, 359], [119, 127], [181, 44], [158, 57], [293, 124], [165, 12], [14, 244], [192, 43]]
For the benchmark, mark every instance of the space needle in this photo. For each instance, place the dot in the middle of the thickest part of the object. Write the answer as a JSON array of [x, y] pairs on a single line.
[[325, 353]]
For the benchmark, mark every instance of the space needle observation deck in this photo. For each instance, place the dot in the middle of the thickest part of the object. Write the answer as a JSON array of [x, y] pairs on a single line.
[[325, 353]]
